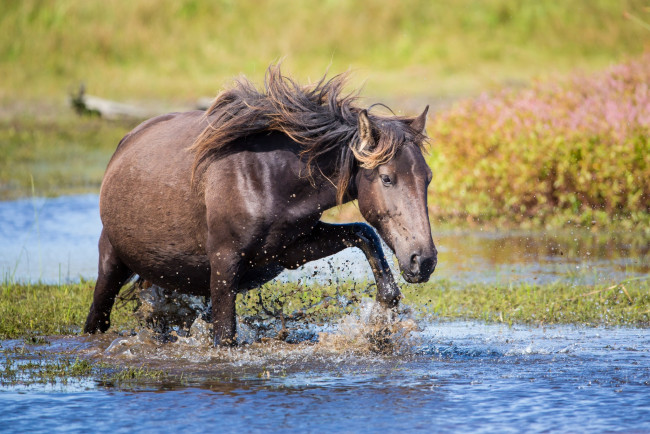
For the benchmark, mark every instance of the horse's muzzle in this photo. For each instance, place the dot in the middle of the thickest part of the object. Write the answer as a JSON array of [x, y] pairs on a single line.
[[420, 267]]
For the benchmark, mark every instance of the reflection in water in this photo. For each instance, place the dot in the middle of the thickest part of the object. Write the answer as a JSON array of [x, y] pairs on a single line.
[[56, 240], [578, 255]]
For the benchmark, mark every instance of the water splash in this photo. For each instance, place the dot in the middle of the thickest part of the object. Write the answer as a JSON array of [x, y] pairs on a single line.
[[164, 334]]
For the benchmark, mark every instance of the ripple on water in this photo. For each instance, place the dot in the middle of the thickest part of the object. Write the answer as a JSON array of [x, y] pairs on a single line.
[[443, 376]]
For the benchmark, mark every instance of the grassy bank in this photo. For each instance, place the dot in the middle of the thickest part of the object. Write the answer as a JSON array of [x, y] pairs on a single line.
[[33, 310], [180, 50]]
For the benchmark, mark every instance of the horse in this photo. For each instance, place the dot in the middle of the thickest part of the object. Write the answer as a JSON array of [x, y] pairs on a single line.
[[217, 202]]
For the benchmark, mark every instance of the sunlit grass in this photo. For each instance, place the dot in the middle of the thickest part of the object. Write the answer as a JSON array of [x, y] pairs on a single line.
[[626, 303], [41, 310], [181, 50], [34, 310]]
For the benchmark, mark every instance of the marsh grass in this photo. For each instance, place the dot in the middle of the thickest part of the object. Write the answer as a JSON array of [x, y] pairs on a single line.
[[626, 303], [55, 156], [35, 311], [25, 367]]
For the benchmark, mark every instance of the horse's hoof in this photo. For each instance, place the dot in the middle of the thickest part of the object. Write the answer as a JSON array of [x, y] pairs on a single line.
[[93, 325], [224, 342]]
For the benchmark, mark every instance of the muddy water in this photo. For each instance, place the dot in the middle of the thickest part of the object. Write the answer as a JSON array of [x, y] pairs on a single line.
[[55, 240], [459, 376]]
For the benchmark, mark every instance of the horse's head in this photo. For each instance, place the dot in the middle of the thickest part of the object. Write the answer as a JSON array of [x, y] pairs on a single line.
[[392, 190]]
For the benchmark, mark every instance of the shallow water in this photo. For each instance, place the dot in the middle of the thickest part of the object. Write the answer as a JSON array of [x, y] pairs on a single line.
[[459, 376], [55, 240], [434, 376]]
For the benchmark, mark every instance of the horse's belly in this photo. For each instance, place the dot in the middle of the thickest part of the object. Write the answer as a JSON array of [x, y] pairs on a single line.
[[189, 275]]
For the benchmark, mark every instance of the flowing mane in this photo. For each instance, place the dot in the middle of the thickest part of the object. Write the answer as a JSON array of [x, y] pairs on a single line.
[[319, 117]]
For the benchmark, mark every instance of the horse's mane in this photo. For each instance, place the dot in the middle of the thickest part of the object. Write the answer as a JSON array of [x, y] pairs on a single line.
[[319, 117]]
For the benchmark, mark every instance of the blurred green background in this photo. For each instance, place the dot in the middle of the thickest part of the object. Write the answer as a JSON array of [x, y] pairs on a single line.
[[166, 54], [183, 49]]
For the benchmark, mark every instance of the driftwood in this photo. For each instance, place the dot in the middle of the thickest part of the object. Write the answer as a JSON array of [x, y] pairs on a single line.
[[89, 105], [85, 104]]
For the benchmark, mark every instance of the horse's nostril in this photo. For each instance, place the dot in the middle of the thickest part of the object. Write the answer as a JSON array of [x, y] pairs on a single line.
[[428, 265], [415, 263]]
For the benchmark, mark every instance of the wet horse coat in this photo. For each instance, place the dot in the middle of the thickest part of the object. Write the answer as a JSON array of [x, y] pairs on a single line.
[[214, 203]]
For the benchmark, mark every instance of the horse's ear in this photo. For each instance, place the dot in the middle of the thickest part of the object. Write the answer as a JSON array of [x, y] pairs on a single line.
[[419, 124], [365, 132]]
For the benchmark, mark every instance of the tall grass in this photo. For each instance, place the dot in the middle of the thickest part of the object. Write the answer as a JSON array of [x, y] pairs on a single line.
[[181, 49]]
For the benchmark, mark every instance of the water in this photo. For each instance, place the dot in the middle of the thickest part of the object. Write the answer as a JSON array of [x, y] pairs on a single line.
[[438, 376], [459, 376], [55, 240]]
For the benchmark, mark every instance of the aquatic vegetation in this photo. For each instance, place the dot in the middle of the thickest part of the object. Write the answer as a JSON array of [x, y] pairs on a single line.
[[626, 303], [30, 366], [574, 151], [44, 371], [33, 311]]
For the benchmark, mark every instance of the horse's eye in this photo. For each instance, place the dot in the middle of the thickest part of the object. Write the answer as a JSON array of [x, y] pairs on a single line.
[[385, 179]]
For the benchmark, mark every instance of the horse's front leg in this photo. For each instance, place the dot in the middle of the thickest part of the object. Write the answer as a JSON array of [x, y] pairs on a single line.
[[224, 280], [326, 239]]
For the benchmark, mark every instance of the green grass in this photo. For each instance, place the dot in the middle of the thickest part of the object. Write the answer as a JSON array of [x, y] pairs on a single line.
[[41, 310], [22, 367], [54, 156], [180, 50], [626, 303], [32, 311]]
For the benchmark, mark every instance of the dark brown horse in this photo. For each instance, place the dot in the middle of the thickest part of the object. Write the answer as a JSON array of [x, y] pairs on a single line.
[[218, 202]]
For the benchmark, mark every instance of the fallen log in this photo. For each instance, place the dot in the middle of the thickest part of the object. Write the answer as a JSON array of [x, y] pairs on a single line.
[[88, 105]]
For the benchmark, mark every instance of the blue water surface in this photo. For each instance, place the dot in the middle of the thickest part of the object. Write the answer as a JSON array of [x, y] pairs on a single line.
[[458, 377]]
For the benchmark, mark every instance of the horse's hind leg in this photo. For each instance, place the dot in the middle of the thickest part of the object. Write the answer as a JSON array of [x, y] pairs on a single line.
[[113, 273]]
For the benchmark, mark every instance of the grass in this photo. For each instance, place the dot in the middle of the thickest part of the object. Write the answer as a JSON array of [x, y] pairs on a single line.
[[21, 367], [181, 50], [626, 303], [41, 310], [61, 155], [33, 311]]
